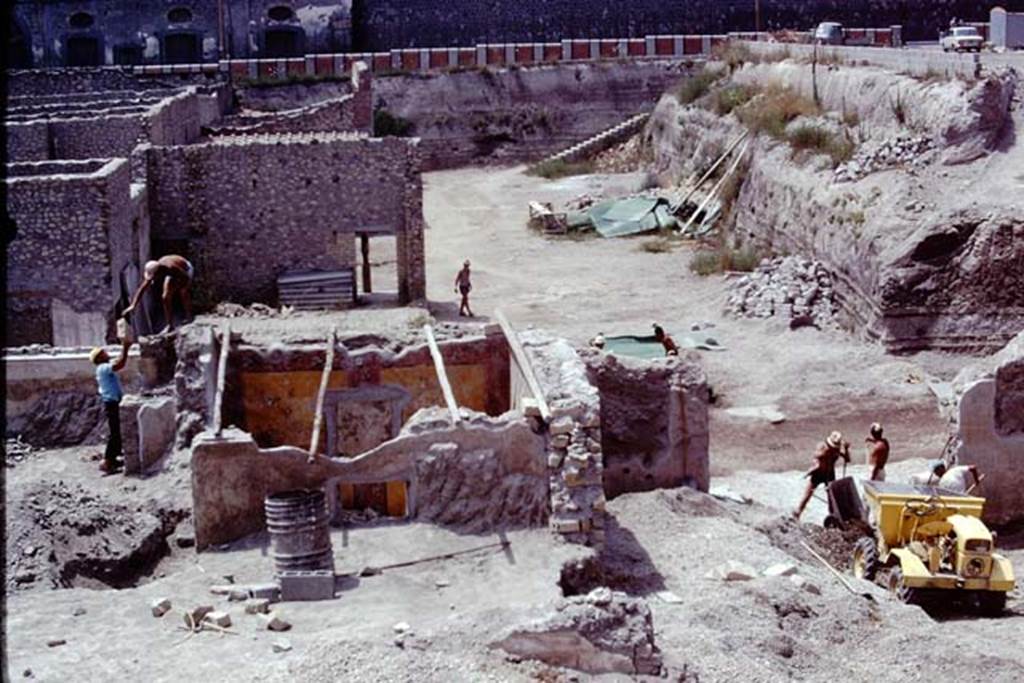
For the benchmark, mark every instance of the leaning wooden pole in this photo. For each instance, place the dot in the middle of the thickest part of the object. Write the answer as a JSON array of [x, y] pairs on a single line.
[[222, 373], [318, 418], [442, 375], [676, 206], [523, 361]]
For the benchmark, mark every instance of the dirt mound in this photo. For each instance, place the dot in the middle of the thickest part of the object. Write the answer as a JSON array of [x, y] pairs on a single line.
[[61, 535], [835, 545], [61, 418]]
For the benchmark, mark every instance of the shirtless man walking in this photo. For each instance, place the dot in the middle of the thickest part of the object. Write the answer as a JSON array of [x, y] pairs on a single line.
[[463, 287], [176, 274], [878, 452]]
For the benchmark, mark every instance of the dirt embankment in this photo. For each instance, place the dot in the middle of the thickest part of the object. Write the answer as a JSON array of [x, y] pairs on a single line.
[[920, 224], [523, 113]]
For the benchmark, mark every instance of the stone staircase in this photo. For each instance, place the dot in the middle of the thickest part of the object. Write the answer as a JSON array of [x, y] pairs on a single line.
[[620, 132]]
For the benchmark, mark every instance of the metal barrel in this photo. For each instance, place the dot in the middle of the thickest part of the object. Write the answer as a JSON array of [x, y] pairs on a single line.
[[298, 526]]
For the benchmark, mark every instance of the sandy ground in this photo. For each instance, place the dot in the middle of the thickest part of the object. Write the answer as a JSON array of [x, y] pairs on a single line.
[[821, 380], [764, 630]]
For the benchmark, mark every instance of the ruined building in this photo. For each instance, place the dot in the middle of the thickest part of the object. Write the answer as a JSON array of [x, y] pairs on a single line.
[[135, 170]]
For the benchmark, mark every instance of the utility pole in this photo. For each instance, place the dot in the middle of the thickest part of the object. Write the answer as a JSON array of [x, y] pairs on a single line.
[[757, 16]]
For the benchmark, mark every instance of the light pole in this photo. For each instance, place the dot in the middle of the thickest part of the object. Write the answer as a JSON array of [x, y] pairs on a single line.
[[757, 16]]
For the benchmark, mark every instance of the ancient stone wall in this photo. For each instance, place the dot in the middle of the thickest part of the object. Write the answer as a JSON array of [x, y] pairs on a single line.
[[482, 475], [78, 212], [654, 422], [384, 24], [987, 429], [265, 205], [526, 113], [105, 127], [333, 115], [573, 440]]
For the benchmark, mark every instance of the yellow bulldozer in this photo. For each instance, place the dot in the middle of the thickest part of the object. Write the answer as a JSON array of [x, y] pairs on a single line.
[[932, 540]]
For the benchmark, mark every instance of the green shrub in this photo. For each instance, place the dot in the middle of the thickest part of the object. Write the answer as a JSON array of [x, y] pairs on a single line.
[[733, 54], [775, 108], [724, 259], [560, 168], [658, 245], [724, 100], [697, 86], [386, 124], [821, 141]]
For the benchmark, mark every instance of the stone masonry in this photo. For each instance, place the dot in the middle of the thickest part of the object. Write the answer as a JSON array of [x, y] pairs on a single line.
[[573, 440], [266, 205], [73, 241]]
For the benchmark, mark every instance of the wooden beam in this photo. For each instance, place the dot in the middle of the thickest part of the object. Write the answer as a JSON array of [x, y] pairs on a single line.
[[442, 376], [676, 206], [222, 371], [364, 243], [523, 361], [314, 440]]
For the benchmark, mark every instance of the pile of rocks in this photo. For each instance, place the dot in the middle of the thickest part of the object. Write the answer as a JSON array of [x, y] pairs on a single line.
[[602, 632], [899, 151], [793, 287], [16, 451]]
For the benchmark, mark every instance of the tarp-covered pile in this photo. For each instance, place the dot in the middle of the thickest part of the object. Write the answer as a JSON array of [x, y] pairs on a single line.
[[618, 217]]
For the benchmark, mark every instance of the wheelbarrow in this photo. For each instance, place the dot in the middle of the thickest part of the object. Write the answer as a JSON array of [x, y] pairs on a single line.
[[844, 504]]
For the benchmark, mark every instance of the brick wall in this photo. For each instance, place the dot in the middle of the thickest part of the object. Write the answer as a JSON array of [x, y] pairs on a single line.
[[73, 232], [264, 205]]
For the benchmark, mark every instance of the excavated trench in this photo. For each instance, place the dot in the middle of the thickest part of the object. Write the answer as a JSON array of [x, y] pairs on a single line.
[[64, 535]]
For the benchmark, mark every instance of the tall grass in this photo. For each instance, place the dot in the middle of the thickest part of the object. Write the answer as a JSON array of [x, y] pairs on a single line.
[[559, 168], [698, 85]]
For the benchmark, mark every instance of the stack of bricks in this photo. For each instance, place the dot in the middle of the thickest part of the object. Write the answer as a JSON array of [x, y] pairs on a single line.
[[575, 472]]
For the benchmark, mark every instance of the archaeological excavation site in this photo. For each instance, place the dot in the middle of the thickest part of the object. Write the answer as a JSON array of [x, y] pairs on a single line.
[[367, 340]]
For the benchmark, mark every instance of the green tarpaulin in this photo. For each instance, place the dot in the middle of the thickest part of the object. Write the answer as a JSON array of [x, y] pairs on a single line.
[[618, 217]]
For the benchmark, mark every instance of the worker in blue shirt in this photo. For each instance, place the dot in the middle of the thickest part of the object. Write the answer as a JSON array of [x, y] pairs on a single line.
[[111, 393]]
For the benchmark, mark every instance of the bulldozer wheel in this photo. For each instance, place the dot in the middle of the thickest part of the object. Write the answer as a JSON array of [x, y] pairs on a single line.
[[991, 603], [903, 593], [865, 559]]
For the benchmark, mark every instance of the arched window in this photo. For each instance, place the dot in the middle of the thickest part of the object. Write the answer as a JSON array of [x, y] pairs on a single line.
[[179, 15], [281, 13], [81, 20]]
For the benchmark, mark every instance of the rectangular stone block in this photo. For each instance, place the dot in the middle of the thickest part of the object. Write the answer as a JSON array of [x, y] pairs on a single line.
[[222, 619], [257, 606], [312, 585]]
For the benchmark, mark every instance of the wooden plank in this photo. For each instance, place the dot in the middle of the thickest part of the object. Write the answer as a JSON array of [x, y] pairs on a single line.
[[442, 376], [314, 441], [714, 190], [523, 361], [222, 371], [676, 206]]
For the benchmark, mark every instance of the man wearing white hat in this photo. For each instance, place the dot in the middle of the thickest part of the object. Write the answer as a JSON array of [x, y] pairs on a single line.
[[824, 470], [111, 393]]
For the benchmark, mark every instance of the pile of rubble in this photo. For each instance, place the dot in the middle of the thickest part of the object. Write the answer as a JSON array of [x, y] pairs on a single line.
[[256, 310], [899, 151], [624, 158], [16, 451], [793, 287], [602, 632]]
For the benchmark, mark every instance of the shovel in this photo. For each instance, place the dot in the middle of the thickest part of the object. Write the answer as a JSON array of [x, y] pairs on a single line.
[[835, 572]]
